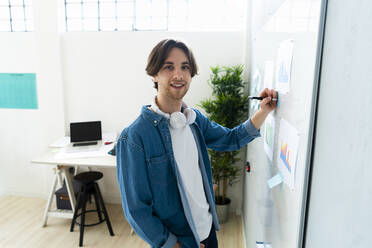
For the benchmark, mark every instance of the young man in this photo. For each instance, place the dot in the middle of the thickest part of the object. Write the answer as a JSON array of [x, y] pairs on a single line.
[[163, 168]]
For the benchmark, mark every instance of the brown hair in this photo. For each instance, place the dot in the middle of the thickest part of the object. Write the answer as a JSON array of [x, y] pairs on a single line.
[[160, 53]]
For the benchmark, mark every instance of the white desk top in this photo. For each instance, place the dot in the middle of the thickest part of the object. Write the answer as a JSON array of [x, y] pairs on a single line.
[[49, 158]]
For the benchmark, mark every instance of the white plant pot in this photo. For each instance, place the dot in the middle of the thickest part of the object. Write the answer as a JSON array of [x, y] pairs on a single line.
[[223, 212]]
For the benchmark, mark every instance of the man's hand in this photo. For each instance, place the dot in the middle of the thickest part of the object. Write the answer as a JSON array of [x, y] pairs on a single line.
[[267, 105], [178, 245]]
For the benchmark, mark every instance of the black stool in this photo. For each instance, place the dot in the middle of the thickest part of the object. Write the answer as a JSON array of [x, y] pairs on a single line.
[[89, 188]]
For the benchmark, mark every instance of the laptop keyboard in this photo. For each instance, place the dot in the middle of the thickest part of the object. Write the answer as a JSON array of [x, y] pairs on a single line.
[[85, 144], [85, 148]]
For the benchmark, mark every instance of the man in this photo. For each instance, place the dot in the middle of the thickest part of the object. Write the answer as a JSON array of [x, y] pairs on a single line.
[[163, 168]]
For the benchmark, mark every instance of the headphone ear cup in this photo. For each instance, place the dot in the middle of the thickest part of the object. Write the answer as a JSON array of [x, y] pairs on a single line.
[[190, 116], [177, 120]]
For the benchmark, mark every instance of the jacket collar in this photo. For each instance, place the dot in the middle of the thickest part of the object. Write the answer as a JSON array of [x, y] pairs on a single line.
[[151, 116]]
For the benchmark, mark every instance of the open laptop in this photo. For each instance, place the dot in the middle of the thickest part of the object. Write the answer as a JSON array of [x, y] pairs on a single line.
[[85, 136]]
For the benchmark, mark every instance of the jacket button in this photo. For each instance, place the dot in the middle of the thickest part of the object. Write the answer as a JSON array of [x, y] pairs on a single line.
[[155, 121]]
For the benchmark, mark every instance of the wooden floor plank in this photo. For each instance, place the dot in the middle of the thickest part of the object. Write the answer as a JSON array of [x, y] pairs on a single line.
[[21, 220]]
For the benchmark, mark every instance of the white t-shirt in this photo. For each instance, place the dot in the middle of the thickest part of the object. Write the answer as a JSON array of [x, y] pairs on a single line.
[[187, 158], [186, 155]]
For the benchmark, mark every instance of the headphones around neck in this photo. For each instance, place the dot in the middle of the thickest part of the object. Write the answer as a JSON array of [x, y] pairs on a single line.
[[177, 119]]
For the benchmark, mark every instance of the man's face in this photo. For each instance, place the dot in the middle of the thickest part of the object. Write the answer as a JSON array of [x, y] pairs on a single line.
[[174, 76]]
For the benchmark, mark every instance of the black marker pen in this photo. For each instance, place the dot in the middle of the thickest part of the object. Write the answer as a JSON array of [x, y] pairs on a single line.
[[260, 98]]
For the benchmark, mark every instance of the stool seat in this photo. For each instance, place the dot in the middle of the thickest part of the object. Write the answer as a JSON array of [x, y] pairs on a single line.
[[88, 177], [89, 188]]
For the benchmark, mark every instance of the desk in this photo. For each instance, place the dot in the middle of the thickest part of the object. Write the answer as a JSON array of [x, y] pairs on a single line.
[[60, 167]]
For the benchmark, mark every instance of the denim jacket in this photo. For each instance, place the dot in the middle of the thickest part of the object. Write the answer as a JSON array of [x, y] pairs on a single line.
[[152, 192]]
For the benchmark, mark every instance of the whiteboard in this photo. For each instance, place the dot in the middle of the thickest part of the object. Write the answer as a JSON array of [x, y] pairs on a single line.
[[275, 215]]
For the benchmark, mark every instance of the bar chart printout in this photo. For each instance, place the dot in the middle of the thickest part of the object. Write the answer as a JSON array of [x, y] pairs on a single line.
[[287, 152]]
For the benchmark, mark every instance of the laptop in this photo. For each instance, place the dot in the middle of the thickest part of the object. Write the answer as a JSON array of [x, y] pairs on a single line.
[[85, 136]]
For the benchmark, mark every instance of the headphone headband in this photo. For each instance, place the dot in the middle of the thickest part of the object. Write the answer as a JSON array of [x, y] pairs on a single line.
[[177, 119]]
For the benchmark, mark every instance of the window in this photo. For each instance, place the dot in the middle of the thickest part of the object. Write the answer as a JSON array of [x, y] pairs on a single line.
[[295, 16], [16, 16], [167, 15]]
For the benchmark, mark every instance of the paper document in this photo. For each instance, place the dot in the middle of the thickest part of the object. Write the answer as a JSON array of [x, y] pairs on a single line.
[[18, 90], [269, 134], [255, 89], [61, 142], [287, 152], [284, 66], [101, 152]]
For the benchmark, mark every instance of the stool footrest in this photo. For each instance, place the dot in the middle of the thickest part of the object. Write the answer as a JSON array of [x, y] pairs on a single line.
[[89, 211]]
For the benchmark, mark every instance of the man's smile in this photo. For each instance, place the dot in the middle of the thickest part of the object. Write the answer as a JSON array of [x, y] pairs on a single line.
[[177, 84]]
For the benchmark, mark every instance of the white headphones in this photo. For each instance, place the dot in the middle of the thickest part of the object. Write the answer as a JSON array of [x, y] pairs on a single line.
[[177, 119]]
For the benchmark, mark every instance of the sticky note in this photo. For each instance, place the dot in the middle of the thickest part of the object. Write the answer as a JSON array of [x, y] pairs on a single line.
[[275, 180], [18, 91], [260, 244]]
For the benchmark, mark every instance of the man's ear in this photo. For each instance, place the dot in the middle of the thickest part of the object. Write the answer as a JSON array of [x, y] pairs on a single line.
[[155, 78]]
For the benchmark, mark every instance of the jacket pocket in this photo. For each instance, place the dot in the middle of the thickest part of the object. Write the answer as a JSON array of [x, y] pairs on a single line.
[[160, 170]]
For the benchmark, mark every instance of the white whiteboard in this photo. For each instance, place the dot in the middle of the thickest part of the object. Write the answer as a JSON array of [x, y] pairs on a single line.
[[274, 215]]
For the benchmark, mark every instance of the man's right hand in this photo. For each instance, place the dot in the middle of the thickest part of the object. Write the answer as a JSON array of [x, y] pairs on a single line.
[[178, 245]]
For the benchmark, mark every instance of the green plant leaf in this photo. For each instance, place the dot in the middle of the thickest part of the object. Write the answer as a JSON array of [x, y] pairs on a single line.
[[228, 106]]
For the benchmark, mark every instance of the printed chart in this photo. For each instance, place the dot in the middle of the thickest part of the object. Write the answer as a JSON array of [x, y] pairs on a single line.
[[287, 152], [255, 89], [283, 66]]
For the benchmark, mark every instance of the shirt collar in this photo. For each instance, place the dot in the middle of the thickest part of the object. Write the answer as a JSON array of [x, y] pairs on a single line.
[[150, 115]]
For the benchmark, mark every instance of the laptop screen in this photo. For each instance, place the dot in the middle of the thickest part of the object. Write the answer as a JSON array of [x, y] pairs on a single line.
[[85, 131]]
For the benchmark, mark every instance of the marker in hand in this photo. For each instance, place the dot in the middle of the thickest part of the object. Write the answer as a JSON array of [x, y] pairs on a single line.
[[260, 98]]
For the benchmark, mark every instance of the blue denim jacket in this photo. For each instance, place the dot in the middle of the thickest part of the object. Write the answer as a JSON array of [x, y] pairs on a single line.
[[152, 192]]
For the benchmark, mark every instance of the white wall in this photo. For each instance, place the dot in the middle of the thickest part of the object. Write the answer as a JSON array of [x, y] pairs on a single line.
[[26, 133], [104, 73], [89, 76]]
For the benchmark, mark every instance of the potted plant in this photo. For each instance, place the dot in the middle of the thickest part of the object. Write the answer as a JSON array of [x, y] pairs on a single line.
[[228, 107]]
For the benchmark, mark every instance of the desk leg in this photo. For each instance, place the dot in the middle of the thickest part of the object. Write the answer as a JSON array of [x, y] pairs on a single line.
[[50, 198], [60, 180], [70, 189]]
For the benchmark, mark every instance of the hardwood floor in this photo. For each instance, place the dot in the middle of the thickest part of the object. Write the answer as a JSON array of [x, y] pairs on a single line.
[[21, 217]]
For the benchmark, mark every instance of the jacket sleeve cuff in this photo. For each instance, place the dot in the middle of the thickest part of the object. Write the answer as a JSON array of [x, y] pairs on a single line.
[[252, 131], [171, 241]]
